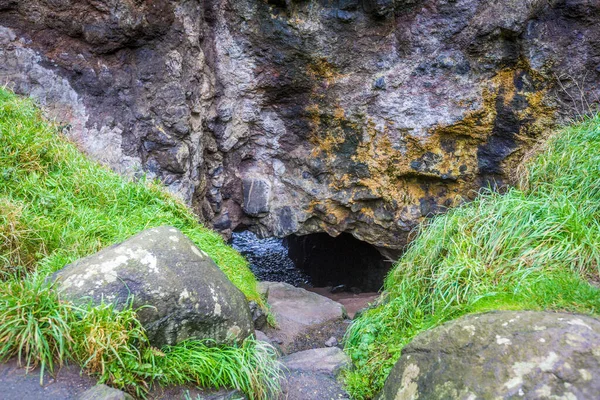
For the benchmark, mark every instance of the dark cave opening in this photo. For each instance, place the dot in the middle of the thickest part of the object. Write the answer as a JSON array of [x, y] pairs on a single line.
[[343, 263]]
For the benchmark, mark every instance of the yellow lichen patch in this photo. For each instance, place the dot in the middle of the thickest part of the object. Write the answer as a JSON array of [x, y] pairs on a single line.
[[323, 70], [444, 165]]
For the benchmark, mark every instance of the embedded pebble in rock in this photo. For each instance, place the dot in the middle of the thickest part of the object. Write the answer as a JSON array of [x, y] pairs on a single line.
[[268, 259], [332, 341]]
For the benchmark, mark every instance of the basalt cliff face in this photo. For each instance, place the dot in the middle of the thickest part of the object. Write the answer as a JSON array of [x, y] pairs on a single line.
[[289, 116]]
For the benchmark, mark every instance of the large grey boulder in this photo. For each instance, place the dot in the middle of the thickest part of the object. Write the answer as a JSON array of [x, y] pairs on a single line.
[[501, 355], [297, 310], [188, 295]]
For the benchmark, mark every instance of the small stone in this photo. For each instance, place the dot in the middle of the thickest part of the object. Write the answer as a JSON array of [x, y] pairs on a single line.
[[104, 392], [331, 342], [260, 335]]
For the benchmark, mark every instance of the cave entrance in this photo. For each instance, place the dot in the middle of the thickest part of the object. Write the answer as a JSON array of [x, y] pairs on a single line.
[[342, 263]]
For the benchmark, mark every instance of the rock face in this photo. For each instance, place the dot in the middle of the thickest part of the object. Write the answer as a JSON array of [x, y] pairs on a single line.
[[297, 310], [190, 297], [501, 355], [304, 116]]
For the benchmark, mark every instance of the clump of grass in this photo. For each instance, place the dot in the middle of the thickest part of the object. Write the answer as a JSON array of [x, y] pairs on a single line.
[[42, 330], [64, 206], [20, 247], [250, 368], [534, 247], [34, 324]]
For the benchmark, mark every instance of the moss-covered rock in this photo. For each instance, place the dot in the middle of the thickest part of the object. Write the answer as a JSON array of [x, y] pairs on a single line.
[[501, 355], [182, 291]]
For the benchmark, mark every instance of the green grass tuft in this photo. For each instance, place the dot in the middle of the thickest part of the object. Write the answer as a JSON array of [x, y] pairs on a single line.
[[57, 206], [534, 247]]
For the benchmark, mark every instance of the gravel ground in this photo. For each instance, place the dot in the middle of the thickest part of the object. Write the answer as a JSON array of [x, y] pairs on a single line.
[[268, 259]]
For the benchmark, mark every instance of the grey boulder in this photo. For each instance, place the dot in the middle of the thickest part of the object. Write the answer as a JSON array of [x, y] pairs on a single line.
[[501, 355], [297, 310], [187, 295], [328, 360]]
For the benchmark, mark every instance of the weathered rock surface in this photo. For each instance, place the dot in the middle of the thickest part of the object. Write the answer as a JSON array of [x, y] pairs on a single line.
[[330, 360], [307, 116], [103, 392], [501, 355], [299, 385], [190, 297], [297, 310]]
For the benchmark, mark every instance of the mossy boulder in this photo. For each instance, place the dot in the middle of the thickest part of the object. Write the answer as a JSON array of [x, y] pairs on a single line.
[[182, 291], [501, 355]]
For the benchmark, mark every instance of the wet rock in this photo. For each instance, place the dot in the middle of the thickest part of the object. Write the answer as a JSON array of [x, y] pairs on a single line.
[[104, 392], [187, 294], [297, 310], [329, 360], [528, 355]]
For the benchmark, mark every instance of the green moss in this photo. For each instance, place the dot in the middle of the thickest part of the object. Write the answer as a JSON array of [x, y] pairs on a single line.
[[535, 247]]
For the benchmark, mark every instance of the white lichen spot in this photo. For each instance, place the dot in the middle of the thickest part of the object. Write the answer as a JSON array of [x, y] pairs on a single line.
[[471, 396], [567, 385], [544, 391], [107, 268], [504, 324], [503, 341], [521, 392], [548, 363], [470, 329], [542, 340], [408, 388], [173, 230], [174, 239], [574, 340], [184, 295], [217, 310], [539, 328], [585, 374], [579, 322], [520, 369], [150, 261]]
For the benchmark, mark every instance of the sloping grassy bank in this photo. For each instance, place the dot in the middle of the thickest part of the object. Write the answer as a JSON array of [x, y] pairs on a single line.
[[534, 247], [57, 206]]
